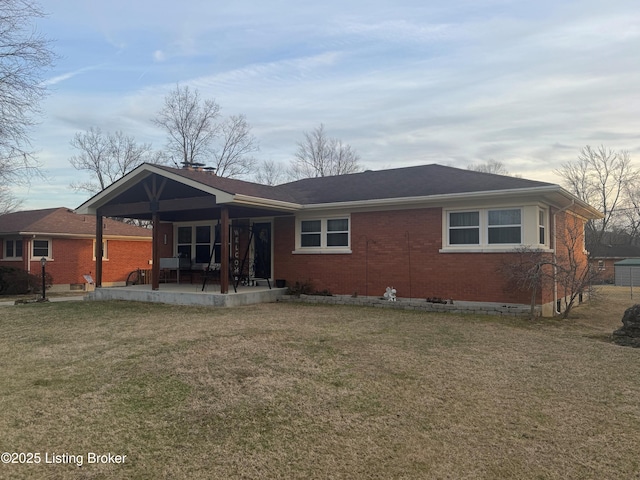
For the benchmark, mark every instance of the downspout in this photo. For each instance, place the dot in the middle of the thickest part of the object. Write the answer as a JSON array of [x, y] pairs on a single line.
[[555, 256]]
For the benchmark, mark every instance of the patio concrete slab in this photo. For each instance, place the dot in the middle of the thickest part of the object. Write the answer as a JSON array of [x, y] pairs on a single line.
[[188, 295]]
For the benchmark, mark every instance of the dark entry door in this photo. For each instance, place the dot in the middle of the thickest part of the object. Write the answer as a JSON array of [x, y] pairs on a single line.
[[262, 250]]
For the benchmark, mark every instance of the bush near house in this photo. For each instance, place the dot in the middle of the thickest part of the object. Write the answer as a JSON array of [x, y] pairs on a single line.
[[16, 281]]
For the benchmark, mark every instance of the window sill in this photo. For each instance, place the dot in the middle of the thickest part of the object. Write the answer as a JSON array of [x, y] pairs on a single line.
[[491, 249], [322, 251]]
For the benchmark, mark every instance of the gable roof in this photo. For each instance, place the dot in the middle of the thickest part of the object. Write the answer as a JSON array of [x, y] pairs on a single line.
[[232, 186], [418, 181], [64, 222], [399, 186]]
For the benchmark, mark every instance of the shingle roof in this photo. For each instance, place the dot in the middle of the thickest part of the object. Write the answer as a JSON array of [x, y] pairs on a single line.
[[614, 251], [420, 181], [61, 221], [233, 186]]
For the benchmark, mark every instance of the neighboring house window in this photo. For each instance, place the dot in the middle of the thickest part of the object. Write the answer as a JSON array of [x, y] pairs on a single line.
[[41, 248], [505, 226], [601, 265], [13, 249], [105, 252], [195, 241], [328, 234]]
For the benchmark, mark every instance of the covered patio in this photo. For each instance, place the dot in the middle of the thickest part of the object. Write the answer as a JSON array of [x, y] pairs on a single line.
[[221, 210]]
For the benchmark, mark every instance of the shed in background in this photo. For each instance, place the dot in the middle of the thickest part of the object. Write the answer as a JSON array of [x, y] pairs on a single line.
[[627, 271]]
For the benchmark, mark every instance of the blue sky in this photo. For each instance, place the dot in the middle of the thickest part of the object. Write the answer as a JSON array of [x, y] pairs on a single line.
[[403, 82]]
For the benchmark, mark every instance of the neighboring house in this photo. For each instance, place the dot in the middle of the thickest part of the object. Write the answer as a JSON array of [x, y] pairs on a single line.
[[604, 257], [67, 241], [429, 231]]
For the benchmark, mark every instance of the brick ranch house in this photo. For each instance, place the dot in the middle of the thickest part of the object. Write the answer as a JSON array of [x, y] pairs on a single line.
[[67, 241], [428, 231]]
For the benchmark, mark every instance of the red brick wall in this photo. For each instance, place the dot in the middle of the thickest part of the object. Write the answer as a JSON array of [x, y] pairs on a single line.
[[73, 258], [399, 249]]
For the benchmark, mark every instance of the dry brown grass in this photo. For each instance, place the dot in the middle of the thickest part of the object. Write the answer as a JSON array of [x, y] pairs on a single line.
[[304, 391]]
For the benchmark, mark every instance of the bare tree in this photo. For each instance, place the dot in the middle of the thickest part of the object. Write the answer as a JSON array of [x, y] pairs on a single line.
[[196, 135], [270, 172], [526, 272], [107, 157], [491, 166], [600, 177], [8, 202], [572, 271], [237, 143], [567, 267], [24, 56], [320, 156], [190, 123]]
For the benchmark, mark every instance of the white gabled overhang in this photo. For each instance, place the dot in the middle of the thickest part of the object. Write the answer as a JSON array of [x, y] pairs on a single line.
[[145, 170], [137, 175]]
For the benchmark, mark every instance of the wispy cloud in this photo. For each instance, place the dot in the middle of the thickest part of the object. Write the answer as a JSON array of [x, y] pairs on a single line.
[[404, 82]]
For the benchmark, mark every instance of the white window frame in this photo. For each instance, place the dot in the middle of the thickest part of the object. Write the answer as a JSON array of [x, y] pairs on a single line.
[[324, 233], [483, 244], [499, 226], [49, 255], [105, 250], [194, 243], [543, 215], [14, 256]]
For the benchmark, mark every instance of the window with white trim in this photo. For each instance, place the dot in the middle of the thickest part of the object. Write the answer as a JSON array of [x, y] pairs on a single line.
[[495, 226], [41, 247], [504, 226], [310, 233], [105, 252], [464, 228], [324, 233], [196, 241], [13, 249], [542, 226]]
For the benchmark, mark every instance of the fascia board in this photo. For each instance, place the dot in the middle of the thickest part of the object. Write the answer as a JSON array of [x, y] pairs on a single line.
[[552, 192], [240, 199]]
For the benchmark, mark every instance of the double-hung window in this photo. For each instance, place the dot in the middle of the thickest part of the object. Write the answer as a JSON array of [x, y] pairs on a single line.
[[41, 248], [484, 227], [311, 233], [505, 226], [326, 234], [13, 249], [542, 226], [464, 228]]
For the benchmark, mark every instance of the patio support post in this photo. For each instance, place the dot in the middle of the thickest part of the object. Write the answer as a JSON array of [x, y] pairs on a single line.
[[224, 250], [98, 249], [155, 257]]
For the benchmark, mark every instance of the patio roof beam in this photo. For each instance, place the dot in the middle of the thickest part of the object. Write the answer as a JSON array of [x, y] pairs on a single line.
[[172, 205]]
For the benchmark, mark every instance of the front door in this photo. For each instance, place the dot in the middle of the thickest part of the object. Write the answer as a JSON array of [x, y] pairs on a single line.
[[262, 249]]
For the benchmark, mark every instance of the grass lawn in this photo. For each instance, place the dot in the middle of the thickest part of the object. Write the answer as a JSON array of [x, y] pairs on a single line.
[[303, 391]]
